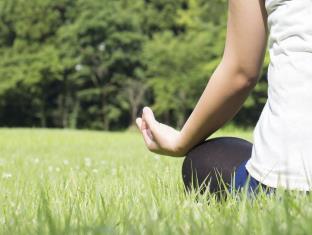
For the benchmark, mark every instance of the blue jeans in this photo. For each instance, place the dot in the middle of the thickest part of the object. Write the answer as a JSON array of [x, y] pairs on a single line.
[[244, 179]]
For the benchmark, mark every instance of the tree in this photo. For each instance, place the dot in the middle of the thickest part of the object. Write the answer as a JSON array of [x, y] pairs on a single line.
[[94, 64]]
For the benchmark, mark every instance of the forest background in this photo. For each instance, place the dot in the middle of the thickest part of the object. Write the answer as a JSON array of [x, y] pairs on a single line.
[[94, 64]]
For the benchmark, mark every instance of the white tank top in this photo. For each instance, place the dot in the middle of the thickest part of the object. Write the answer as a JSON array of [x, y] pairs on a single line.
[[282, 139]]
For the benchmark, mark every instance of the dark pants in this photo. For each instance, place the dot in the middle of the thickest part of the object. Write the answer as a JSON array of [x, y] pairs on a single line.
[[218, 164]]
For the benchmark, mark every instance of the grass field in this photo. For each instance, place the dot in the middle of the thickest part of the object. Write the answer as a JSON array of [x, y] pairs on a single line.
[[80, 182]]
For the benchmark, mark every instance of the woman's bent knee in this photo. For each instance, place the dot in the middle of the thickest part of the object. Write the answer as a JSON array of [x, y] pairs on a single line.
[[213, 161]]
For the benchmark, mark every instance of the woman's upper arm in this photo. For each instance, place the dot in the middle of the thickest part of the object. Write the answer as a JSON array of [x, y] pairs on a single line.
[[246, 37]]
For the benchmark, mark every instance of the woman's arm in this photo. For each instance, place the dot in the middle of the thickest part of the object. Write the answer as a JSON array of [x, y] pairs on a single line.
[[228, 87], [236, 75]]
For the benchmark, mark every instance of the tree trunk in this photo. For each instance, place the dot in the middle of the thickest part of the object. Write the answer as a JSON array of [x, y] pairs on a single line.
[[134, 113], [106, 121], [42, 117], [73, 116]]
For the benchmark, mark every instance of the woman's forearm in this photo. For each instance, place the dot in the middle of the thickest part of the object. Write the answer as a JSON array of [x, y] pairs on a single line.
[[222, 98]]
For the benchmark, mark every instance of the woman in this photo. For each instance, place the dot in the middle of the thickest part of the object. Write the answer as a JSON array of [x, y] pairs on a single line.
[[281, 153]]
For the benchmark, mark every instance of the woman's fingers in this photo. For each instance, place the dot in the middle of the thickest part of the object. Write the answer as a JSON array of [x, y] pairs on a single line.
[[146, 133], [148, 116], [138, 122], [152, 124], [150, 143], [150, 129]]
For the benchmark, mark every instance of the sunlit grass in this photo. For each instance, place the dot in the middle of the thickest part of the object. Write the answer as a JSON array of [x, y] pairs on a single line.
[[81, 182]]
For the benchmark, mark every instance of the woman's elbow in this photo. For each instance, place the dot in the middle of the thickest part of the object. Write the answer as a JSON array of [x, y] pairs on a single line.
[[247, 80], [245, 76]]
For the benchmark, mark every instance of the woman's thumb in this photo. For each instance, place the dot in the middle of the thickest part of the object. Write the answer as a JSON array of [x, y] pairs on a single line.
[[152, 123], [149, 117]]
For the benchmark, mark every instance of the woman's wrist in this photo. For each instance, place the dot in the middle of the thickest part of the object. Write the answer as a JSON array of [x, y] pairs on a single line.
[[187, 140], [182, 147]]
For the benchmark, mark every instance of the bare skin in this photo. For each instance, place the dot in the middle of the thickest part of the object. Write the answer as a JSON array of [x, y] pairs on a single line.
[[229, 86]]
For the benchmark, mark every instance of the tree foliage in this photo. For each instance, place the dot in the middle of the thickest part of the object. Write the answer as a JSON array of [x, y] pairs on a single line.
[[94, 64]]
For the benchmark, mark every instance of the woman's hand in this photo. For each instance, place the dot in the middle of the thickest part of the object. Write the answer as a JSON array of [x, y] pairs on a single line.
[[159, 138]]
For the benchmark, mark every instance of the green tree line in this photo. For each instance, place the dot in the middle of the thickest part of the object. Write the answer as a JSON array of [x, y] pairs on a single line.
[[94, 64]]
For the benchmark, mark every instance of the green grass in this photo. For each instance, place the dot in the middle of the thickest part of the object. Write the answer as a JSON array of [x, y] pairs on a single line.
[[80, 182]]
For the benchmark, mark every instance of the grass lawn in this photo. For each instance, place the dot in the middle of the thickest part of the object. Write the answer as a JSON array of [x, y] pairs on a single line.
[[83, 182]]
